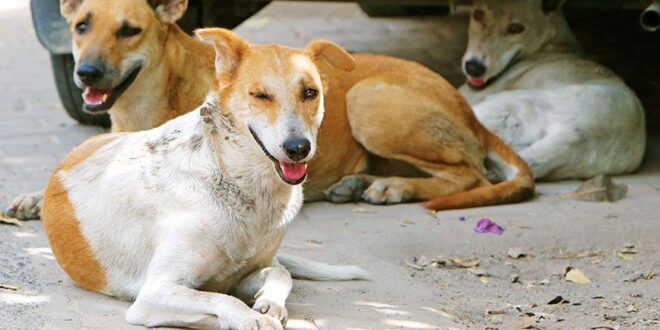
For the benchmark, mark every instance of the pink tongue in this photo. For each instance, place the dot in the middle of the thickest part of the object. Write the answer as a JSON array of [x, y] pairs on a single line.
[[293, 171], [94, 96], [475, 82]]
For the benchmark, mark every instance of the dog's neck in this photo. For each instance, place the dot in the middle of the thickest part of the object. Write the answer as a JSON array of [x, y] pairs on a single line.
[[242, 168], [167, 87], [562, 39]]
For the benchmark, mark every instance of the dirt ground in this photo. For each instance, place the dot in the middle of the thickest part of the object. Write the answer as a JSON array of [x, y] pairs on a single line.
[[423, 265]]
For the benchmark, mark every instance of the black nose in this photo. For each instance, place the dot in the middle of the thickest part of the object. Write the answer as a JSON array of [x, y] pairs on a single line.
[[296, 148], [89, 73], [474, 67]]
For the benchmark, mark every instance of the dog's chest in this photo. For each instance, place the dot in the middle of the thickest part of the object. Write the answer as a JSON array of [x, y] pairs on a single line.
[[252, 234], [256, 218]]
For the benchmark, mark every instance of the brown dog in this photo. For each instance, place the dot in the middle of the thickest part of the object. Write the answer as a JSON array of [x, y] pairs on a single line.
[[390, 114], [133, 62], [388, 117]]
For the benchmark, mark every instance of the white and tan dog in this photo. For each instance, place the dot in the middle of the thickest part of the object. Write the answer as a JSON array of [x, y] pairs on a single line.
[[180, 216], [566, 116]]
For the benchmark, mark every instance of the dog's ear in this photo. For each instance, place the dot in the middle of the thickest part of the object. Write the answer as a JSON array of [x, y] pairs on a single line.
[[332, 53], [229, 47], [550, 6], [169, 11], [68, 7]]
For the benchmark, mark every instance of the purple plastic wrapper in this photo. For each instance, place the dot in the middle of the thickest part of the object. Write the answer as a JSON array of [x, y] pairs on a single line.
[[488, 226]]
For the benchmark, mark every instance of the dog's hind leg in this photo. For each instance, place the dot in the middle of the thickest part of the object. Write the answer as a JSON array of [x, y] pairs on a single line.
[[393, 120], [267, 288], [538, 124], [552, 152]]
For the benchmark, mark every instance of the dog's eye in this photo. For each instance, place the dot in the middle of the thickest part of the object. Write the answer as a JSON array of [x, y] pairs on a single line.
[[478, 15], [515, 28], [260, 96], [82, 27], [310, 93], [126, 31]]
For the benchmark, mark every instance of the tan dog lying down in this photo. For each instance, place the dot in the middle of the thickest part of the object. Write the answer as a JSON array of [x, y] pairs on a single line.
[[394, 131], [199, 205]]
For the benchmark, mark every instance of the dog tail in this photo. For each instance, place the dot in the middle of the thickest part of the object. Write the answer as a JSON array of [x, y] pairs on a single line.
[[518, 186], [305, 269]]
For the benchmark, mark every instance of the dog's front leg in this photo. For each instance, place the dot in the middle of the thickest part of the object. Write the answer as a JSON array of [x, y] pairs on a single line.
[[168, 297], [26, 206], [268, 288]]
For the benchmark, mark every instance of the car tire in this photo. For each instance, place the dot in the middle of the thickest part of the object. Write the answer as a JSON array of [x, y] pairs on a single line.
[[70, 95]]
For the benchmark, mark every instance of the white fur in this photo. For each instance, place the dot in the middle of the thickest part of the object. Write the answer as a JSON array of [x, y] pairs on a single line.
[[165, 217], [566, 116], [306, 269]]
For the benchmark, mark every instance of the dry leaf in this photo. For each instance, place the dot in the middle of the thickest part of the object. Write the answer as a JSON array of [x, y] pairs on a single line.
[[576, 276], [8, 287], [9, 221], [648, 275], [481, 274], [598, 189], [629, 248], [643, 276], [626, 252], [583, 254], [525, 323], [558, 300], [516, 253], [624, 256], [414, 266], [455, 263], [466, 263], [540, 315], [609, 317]]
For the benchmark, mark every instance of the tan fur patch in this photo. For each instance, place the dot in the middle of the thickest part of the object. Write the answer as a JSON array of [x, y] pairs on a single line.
[[70, 247]]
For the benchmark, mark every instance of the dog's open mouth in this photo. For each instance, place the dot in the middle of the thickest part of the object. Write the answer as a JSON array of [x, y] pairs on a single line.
[[479, 83], [99, 100], [290, 172], [475, 83]]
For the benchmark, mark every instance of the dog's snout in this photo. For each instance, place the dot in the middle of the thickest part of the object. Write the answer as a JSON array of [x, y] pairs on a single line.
[[297, 148], [475, 67], [89, 72]]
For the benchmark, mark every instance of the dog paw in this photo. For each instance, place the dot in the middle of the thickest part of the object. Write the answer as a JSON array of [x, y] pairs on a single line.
[[387, 191], [261, 322], [268, 307], [348, 189], [26, 206]]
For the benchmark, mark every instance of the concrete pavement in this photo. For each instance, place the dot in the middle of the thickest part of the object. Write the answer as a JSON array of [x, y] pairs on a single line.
[[394, 243]]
